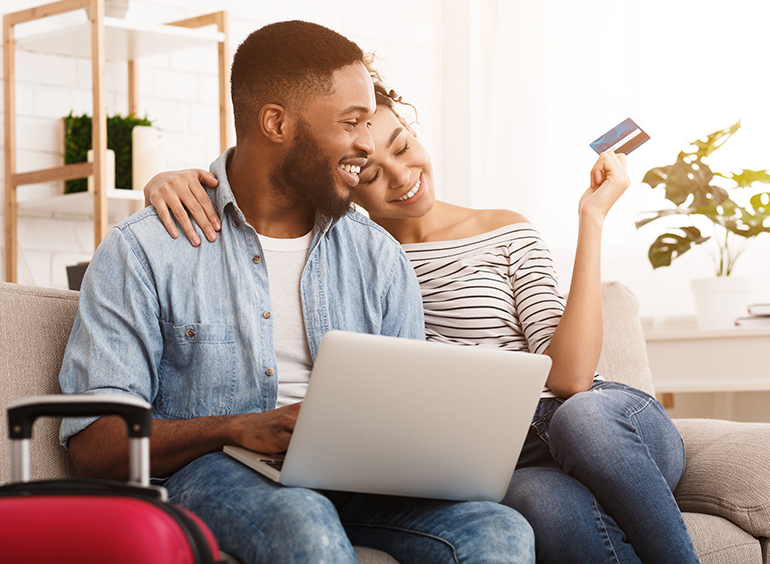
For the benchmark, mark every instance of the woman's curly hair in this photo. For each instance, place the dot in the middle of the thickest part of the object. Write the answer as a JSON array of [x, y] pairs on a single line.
[[384, 96]]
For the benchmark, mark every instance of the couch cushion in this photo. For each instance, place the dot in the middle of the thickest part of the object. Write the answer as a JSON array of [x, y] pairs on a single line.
[[624, 350], [718, 541], [35, 325], [367, 555], [727, 472]]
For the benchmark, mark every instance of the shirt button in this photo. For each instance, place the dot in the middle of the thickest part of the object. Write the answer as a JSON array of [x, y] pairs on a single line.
[[269, 371], [266, 315], [189, 333], [235, 223], [257, 259]]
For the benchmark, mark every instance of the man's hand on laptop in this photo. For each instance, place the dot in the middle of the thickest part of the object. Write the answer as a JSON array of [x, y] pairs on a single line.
[[268, 432]]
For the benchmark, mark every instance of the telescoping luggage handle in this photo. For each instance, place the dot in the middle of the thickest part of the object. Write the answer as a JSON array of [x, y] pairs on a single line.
[[136, 413]]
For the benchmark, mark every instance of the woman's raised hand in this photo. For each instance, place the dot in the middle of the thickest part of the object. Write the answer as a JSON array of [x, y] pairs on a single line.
[[609, 179], [180, 192]]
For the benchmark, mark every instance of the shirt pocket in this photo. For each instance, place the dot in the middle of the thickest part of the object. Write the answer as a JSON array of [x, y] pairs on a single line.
[[196, 377]]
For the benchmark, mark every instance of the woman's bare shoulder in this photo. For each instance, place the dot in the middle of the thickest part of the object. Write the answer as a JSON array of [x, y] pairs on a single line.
[[489, 220], [460, 222]]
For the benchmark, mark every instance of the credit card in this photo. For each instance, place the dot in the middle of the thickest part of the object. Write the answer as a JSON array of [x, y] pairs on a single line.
[[623, 138]]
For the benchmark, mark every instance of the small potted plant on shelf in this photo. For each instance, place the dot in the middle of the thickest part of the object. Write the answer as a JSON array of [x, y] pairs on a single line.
[[721, 212], [77, 143]]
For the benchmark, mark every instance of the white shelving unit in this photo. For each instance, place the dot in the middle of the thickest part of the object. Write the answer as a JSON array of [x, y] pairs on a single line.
[[124, 40], [100, 39]]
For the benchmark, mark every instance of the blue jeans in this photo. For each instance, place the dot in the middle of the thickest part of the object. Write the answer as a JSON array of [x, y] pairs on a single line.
[[257, 520], [596, 476]]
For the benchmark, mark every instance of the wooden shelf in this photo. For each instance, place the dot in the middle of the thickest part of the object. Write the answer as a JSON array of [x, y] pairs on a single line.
[[122, 203], [100, 39], [125, 40]]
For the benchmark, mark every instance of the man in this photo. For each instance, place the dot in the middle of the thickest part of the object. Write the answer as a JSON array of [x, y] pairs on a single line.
[[216, 337]]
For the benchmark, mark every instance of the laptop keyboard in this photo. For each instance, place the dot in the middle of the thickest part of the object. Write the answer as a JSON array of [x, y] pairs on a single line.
[[277, 464]]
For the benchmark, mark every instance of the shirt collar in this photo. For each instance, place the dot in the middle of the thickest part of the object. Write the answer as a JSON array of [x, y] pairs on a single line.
[[224, 194]]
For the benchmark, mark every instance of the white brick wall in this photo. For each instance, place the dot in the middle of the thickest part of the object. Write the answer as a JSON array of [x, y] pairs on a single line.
[[179, 92]]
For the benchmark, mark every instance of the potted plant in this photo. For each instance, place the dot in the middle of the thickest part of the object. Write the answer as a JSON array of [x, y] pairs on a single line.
[[77, 142], [722, 212]]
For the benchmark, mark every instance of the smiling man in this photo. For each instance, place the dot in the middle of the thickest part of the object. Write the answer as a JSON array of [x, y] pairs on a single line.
[[220, 339]]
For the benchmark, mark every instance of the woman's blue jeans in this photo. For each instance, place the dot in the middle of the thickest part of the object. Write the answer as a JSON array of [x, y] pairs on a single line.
[[596, 476], [257, 520]]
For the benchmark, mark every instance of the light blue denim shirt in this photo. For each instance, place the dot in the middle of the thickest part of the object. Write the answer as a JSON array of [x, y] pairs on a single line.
[[189, 329]]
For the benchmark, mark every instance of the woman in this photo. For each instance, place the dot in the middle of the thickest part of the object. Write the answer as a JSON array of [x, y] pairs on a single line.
[[597, 471]]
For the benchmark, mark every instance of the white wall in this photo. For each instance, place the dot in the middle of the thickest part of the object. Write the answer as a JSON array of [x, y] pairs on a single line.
[[178, 91]]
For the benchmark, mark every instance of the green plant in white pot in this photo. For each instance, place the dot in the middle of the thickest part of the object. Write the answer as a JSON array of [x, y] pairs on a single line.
[[731, 210]]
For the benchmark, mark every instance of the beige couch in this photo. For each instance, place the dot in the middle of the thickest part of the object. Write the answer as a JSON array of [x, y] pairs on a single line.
[[725, 492]]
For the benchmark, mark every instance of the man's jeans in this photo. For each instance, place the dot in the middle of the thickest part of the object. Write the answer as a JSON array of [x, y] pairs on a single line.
[[257, 520], [595, 479]]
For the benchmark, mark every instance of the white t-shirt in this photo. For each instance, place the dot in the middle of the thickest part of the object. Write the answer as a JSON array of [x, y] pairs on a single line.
[[285, 260]]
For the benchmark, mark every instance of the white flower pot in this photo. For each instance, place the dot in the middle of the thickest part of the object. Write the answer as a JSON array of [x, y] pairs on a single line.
[[719, 301]]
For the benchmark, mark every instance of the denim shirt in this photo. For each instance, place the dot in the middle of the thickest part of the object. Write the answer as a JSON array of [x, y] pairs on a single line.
[[189, 329]]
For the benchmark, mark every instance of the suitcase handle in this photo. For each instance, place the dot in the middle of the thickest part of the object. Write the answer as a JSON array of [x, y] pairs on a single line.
[[23, 413], [136, 413]]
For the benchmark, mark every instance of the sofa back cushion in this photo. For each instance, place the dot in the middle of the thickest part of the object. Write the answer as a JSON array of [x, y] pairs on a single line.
[[35, 324], [624, 350]]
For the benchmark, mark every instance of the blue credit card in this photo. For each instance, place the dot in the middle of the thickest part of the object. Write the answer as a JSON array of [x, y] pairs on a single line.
[[623, 138]]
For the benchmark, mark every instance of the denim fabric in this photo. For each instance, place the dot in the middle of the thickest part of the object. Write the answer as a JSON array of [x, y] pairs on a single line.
[[596, 476], [189, 329], [257, 520]]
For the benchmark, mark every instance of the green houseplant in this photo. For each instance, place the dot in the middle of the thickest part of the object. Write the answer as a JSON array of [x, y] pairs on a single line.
[[733, 210], [77, 143], [736, 211]]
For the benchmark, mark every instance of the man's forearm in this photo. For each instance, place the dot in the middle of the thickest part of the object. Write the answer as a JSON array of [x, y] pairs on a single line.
[[101, 450]]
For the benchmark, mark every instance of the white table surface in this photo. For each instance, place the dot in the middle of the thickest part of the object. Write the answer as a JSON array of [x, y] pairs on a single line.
[[686, 359]]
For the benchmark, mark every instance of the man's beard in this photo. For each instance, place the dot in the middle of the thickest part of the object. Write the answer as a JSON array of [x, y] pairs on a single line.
[[303, 174]]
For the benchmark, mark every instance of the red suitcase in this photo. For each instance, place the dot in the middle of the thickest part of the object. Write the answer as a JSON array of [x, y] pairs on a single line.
[[94, 521]]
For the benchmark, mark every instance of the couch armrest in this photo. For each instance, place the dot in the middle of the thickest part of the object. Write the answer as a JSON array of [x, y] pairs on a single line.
[[727, 472]]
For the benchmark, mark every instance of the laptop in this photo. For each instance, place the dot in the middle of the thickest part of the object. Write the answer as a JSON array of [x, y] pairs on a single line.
[[387, 415]]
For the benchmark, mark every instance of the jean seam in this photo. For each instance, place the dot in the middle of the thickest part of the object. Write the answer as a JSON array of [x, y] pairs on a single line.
[[409, 531], [605, 533]]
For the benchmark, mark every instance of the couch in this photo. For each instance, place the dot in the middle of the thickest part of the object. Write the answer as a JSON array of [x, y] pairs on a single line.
[[724, 494]]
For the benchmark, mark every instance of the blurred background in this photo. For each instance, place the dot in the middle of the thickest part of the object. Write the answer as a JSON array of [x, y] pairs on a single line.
[[509, 94]]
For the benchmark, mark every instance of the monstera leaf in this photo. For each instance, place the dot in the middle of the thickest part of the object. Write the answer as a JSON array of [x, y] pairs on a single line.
[[688, 185], [688, 176], [761, 203], [742, 221], [746, 178], [671, 245], [713, 141]]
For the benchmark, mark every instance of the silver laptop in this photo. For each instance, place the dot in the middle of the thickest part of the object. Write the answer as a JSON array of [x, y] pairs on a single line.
[[395, 416]]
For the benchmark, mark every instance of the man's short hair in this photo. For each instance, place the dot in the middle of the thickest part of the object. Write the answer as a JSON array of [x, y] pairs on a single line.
[[286, 63]]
